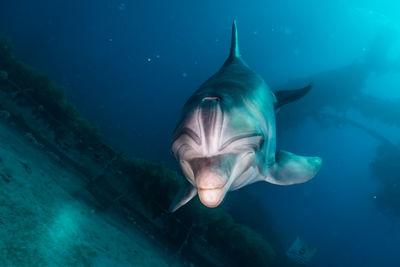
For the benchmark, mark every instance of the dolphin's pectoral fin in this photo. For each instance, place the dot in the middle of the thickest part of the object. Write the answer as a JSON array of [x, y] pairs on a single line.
[[184, 195], [293, 169], [286, 96]]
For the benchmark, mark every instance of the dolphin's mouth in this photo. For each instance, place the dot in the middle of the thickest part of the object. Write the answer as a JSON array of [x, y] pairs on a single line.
[[210, 188]]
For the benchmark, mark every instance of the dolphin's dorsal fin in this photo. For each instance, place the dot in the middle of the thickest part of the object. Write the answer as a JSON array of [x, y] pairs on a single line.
[[234, 55], [234, 42]]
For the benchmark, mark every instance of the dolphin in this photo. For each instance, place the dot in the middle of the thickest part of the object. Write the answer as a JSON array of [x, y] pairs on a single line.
[[225, 137]]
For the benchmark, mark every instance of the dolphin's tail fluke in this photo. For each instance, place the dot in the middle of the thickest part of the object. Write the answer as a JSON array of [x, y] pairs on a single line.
[[234, 42]]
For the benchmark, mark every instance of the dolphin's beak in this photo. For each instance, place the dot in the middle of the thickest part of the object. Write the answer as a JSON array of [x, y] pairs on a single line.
[[211, 177], [212, 187], [214, 176], [211, 197]]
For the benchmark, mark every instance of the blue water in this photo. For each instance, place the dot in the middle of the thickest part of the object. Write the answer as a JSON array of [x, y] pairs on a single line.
[[130, 66]]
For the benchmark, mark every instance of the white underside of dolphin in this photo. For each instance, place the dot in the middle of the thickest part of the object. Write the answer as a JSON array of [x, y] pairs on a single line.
[[225, 138]]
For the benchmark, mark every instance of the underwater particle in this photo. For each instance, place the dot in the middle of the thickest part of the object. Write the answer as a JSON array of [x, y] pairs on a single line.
[[184, 75], [374, 197], [216, 40], [148, 59], [157, 56], [110, 39], [3, 75], [122, 6], [195, 62], [255, 32]]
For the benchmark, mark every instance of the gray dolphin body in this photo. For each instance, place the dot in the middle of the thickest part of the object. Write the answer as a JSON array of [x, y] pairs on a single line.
[[225, 138]]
